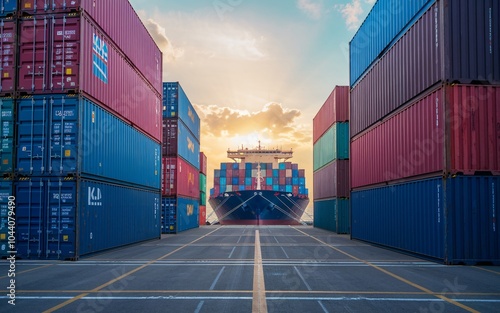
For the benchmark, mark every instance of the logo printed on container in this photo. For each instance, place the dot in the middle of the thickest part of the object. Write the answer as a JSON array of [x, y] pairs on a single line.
[[191, 114], [190, 145], [100, 58], [190, 209], [95, 196]]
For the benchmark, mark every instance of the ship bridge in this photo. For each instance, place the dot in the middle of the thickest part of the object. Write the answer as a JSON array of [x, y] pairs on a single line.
[[259, 155]]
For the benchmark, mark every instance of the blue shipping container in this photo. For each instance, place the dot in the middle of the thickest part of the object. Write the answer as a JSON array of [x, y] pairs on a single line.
[[8, 7], [179, 214], [177, 104], [332, 215], [7, 135], [63, 219], [452, 219], [60, 135], [6, 195], [387, 21]]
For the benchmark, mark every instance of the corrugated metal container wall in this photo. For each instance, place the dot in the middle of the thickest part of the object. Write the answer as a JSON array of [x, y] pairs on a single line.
[[203, 183], [332, 215], [474, 129], [335, 109], [7, 135], [84, 60], [203, 215], [177, 104], [408, 144], [186, 213], [333, 145], [6, 194], [85, 216], [453, 220], [180, 178], [69, 134], [179, 141], [136, 42], [386, 20], [8, 7], [203, 163], [423, 57], [332, 180], [8, 55]]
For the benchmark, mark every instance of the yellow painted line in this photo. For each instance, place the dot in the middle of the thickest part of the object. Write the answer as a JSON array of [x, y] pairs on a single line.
[[404, 280], [78, 297], [30, 270], [490, 271], [259, 304]]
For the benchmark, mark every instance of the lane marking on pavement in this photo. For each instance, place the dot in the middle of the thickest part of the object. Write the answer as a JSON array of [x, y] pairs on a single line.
[[82, 295], [259, 304], [200, 305], [487, 270], [404, 280], [231, 254]]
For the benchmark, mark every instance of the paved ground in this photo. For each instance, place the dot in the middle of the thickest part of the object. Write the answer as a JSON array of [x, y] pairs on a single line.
[[235, 269]]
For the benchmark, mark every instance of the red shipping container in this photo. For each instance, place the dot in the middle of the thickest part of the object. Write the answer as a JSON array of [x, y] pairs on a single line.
[[335, 109], [8, 54], [332, 180], [448, 44], [414, 142], [302, 173], [203, 215], [203, 163], [216, 190], [282, 180], [216, 181], [64, 54], [269, 173], [295, 189], [180, 178], [241, 174], [241, 180], [135, 42]]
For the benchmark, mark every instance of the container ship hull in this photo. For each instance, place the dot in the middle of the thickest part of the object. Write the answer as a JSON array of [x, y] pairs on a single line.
[[259, 207]]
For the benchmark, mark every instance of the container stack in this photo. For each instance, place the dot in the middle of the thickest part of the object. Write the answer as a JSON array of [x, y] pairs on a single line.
[[86, 155], [203, 189], [284, 177], [425, 144], [331, 163], [180, 161]]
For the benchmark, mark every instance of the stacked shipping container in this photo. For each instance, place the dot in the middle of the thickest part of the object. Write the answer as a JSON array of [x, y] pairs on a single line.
[[181, 178], [84, 154], [424, 135], [285, 177], [331, 164], [203, 188]]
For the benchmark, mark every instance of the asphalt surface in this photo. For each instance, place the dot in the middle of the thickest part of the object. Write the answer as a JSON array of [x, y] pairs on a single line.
[[217, 269]]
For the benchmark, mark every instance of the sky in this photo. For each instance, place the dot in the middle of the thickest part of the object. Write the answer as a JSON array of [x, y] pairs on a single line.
[[255, 69]]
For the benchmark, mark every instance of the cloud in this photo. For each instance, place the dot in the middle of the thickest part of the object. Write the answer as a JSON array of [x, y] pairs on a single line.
[[273, 122], [311, 8], [351, 13], [170, 53]]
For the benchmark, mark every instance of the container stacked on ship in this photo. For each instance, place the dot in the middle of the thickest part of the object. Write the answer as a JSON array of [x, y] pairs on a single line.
[[88, 128], [203, 189], [331, 163], [180, 160], [425, 142]]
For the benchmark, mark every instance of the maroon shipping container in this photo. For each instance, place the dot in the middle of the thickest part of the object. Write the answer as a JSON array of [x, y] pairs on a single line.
[[180, 178], [335, 109], [8, 53], [64, 54], [332, 180], [203, 163], [454, 129], [452, 42], [120, 23], [302, 173]]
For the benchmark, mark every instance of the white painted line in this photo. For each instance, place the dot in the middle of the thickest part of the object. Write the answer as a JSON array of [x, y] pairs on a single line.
[[217, 278], [259, 304], [198, 308], [231, 254], [302, 277], [286, 254]]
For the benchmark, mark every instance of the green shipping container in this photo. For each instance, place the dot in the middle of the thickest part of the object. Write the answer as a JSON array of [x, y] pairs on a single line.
[[203, 183], [332, 215], [7, 135], [333, 145], [203, 198]]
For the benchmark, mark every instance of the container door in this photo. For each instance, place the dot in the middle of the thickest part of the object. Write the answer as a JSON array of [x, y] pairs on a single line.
[[31, 135], [7, 134], [8, 51], [63, 134]]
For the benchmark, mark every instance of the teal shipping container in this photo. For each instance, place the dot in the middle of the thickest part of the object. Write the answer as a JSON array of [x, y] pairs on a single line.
[[177, 105], [7, 135], [333, 145], [333, 215]]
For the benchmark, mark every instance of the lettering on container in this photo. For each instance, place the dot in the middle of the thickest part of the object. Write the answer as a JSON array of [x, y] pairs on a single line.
[[95, 196], [191, 114], [439, 203], [100, 58], [190, 209], [437, 111], [436, 20], [62, 196], [190, 145]]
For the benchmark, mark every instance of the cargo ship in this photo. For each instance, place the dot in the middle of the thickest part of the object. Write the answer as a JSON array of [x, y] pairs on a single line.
[[259, 188]]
